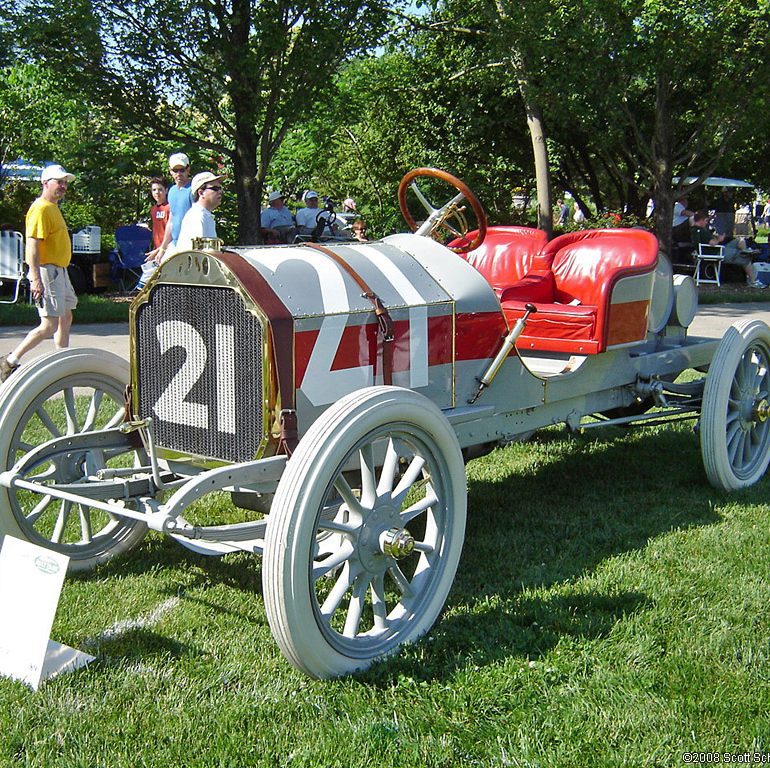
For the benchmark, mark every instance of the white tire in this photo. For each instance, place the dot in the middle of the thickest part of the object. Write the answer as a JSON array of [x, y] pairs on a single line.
[[379, 461], [734, 425], [66, 392]]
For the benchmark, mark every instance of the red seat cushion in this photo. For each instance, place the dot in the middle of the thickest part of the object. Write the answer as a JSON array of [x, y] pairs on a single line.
[[537, 286], [598, 294], [556, 327]]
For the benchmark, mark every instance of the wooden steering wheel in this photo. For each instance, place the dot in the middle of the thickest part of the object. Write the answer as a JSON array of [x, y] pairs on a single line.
[[442, 220]]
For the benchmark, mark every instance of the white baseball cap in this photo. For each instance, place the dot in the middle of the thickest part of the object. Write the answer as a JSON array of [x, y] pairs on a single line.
[[203, 178], [178, 158], [55, 172], [274, 195], [310, 193]]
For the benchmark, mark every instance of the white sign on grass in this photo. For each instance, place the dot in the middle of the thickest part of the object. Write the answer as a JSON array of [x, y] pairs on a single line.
[[31, 580]]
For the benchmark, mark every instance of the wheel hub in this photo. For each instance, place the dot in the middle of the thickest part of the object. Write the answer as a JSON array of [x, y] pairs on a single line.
[[383, 539], [69, 467], [761, 410], [397, 543]]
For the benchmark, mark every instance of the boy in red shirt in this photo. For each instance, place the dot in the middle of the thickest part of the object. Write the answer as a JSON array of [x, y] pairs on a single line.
[[159, 215]]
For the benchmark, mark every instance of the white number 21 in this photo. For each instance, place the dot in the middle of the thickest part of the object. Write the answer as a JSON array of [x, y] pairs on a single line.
[[173, 404]]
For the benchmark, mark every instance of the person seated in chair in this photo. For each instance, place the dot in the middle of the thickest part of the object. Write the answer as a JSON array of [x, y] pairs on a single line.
[[733, 249], [277, 221]]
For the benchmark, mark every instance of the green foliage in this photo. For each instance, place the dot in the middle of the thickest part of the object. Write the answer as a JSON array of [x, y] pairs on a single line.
[[386, 115], [228, 79], [15, 199], [112, 164], [631, 91]]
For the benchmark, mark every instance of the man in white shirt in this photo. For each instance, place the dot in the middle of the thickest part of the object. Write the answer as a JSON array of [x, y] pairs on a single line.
[[680, 224], [307, 218], [199, 221]]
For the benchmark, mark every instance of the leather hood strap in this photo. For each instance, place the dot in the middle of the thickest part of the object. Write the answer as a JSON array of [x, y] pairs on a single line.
[[384, 321]]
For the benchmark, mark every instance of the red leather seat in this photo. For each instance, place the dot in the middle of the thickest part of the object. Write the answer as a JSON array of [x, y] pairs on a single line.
[[508, 254], [596, 294]]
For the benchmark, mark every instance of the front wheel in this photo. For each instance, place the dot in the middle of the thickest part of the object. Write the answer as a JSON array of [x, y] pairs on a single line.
[[734, 426], [65, 393], [365, 531]]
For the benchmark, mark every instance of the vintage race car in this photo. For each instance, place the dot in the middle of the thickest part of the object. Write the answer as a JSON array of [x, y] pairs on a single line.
[[335, 393]]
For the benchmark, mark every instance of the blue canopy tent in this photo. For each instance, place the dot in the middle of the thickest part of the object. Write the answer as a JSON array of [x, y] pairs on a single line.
[[21, 170]]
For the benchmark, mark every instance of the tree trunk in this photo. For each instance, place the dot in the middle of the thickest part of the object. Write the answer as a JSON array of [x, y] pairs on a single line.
[[540, 151], [245, 165], [537, 134], [662, 158]]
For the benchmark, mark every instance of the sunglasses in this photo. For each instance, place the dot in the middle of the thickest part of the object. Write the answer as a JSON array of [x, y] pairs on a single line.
[[213, 189], [178, 170]]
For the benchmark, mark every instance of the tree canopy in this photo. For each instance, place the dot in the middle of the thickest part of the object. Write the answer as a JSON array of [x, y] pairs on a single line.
[[619, 96], [228, 76]]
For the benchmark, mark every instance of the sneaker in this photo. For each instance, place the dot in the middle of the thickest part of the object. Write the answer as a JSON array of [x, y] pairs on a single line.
[[757, 284], [6, 368]]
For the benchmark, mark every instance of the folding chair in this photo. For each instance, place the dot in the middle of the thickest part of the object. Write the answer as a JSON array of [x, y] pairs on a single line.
[[11, 261], [709, 257], [131, 245]]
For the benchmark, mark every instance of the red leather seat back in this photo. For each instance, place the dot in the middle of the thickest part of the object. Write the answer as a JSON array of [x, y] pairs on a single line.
[[587, 264], [508, 254]]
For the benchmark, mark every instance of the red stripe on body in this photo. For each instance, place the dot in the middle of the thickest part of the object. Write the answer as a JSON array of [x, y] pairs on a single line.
[[478, 335], [359, 346]]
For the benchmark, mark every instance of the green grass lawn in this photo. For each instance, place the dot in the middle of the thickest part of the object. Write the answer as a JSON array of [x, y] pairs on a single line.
[[731, 293], [610, 609], [91, 309]]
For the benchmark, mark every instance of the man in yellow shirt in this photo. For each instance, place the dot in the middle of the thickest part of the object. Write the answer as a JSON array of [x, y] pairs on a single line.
[[48, 254]]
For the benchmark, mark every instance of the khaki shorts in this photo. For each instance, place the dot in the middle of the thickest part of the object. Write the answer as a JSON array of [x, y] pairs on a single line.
[[59, 296]]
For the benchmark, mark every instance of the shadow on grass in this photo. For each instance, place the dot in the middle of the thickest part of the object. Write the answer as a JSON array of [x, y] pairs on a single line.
[[581, 500], [574, 504], [238, 570], [137, 644], [527, 630]]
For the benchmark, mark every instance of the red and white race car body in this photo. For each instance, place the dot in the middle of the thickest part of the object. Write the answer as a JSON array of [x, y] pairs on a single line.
[[298, 307], [270, 330]]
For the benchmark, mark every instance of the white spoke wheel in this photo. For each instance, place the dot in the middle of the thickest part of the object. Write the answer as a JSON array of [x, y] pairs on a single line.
[[64, 393], [365, 531], [734, 423]]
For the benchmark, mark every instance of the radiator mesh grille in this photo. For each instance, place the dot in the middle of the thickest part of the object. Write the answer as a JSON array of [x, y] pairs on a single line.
[[200, 377]]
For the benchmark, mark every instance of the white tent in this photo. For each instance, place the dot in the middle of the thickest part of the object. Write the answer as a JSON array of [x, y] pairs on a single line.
[[716, 181]]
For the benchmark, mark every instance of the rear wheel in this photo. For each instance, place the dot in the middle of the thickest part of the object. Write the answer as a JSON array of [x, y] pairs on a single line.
[[734, 426], [365, 531], [65, 393]]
